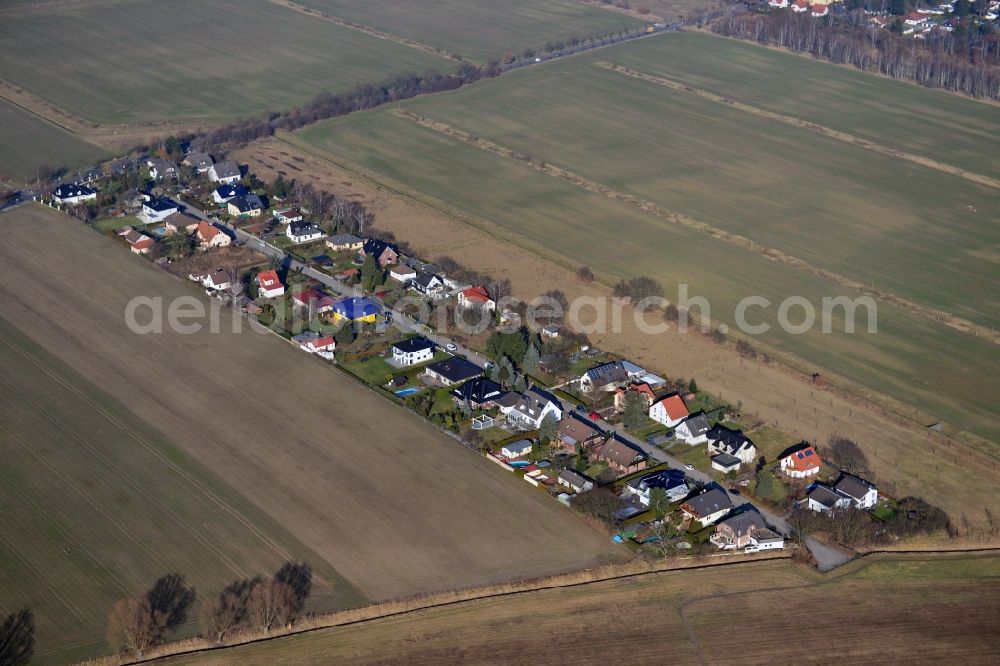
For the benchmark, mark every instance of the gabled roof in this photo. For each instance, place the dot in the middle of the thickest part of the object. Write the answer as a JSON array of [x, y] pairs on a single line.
[[376, 247], [198, 160], [728, 439], [621, 453], [674, 405], [744, 522], [853, 486], [801, 457], [455, 369], [533, 402], [709, 502], [343, 239], [302, 228], [411, 345], [269, 279], [247, 203], [206, 231], [477, 294], [181, 220], [478, 390], [697, 424], [230, 191], [574, 478], [226, 169], [667, 479], [607, 373], [218, 277], [824, 495], [573, 428], [402, 270], [426, 280]]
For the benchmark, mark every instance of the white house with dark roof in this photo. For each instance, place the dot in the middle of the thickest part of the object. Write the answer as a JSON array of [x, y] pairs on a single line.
[[72, 194], [532, 408], [157, 210], [412, 351], [518, 449], [225, 172], [671, 481], [732, 442], [303, 232], [452, 371], [821, 498], [708, 507], [604, 377], [863, 494], [746, 530], [200, 162], [575, 481], [693, 430]]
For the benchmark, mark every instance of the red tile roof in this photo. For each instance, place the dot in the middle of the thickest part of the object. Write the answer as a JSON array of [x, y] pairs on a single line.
[[269, 279], [206, 231], [803, 460], [676, 409], [477, 294]]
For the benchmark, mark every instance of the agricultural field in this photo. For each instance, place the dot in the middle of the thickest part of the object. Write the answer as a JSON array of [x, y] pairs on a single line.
[[31, 144], [201, 436], [144, 61], [887, 610], [867, 218], [479, 29]]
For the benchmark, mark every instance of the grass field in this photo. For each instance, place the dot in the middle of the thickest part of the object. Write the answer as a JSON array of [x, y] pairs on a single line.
[[889, 610], [144, 61], [354, 482], [869, 217], [31, 143], [479, 29]]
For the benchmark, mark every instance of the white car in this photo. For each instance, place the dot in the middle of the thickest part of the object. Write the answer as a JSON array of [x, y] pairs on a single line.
[[451, 347], [689, 467]]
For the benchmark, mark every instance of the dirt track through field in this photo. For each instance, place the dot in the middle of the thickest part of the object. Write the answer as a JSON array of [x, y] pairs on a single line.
[[748, 244], [979, 179]]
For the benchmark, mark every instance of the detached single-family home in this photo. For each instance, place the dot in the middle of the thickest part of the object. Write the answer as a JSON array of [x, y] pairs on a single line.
[[303, 232], [726, 463], [574, 432], [160, 169], [248, 205], [427, 284], [156, 210], [707, 507], [643, 389], [915, 19], [322, 347], [211, 236], [179, 222], [319, 302], [575, 481], [731, 442], [226, 193], [669, 410], [287, 215], [863, 494], [452, 371], [549, 332], [800, 6], [693, 430], [821, 498], [413, 351], [383, 253], [217, 280], [356, 308], [622, 457], [746, 530], [800, 461], [72, 194], [476, 297], [402, 273], [200, 162], [139, 242], [779, 4], [518, 449], [818, 9], [225, 172], [533, 407], [671, 481], [344, 242], [480, 393], [269, 284], [605, 377]]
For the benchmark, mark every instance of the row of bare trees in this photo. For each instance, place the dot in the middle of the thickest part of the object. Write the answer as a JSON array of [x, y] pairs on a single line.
[[960, 61], [262, 604]]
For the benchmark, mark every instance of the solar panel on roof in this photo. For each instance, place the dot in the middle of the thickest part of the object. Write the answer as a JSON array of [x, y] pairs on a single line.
[[808, 453], [801, 456]]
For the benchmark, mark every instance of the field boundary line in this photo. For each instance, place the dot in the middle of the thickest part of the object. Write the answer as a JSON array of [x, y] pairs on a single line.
[[829, 132], [930, 313], [333, 621], [366, 29]]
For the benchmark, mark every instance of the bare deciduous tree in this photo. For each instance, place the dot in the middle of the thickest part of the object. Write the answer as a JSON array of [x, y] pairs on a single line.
[[226, 612], [131, 625], [17, 638], [271, 603]]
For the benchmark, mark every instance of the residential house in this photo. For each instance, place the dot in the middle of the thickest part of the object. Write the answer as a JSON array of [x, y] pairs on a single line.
[[693, 430], [800, 461], [427, 284], [669, 410], [452, 371], [671, 481], [413, 351], [209, 235], [643, 389], [605, 377], [518, 449], [319, 302], [621, 456], [139, 242], [225, 172], [160, 169], [779, 4], [303, 232], [181, 222], [915, 19], [707, 507], [248, 205], [575, 481], [533, 407], [818, 9], [746, 530], [800, 6], [549, 332], [384, 254], [269, 284], [322, 347], [287, 215], [356, 309], [72, 194], [822, 498], [155, 209], [575, 432], [200, 162], [480, 393], [863, 494], [476, 297], [402, 273], [732, 442], [217, 280], [726, 463], [344, 242], [226, 193]]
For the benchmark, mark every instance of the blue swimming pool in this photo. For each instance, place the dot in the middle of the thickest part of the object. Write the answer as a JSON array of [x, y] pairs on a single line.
[[519, 463], [407, 391]]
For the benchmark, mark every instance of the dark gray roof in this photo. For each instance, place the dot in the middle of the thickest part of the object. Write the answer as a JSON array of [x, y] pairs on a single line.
[[726, 460], [508, 399], [742, 522], [824, 495], [698, 424], [665, 478], [159, 205], [376, 247], [302, 227], [343, 239], [853, 486], [455, 369], [198, 160], [607, 373], [709, 502], [68, 190], [534, 400], [411, 345], [226, 169], [574, 478], [247, 203], [478, 390]]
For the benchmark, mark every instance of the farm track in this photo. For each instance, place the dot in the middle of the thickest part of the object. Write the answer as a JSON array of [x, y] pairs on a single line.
[[368, 30], [957, 323], [979, 179]]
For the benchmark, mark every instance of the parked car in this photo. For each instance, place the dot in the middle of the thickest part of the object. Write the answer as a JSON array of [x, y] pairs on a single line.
[[451, 347], [689, 467]]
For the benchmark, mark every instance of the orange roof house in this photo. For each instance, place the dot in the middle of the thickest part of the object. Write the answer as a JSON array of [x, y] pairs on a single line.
[[800, 461], [669, 410], [269, 284], [476, 297], [642, 389]]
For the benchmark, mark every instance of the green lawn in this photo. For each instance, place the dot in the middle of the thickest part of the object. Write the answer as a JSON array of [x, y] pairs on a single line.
[[141, 61], [31, 144], [479, 29]]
